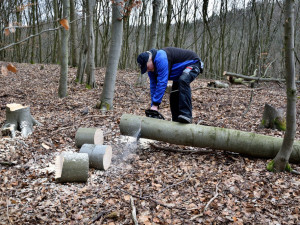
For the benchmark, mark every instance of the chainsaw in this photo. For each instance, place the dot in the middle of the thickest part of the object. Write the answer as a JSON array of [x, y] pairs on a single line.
[[154, 114]]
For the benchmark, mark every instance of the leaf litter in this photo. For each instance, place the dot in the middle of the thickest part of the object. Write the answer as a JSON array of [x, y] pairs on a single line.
[[169, 186]]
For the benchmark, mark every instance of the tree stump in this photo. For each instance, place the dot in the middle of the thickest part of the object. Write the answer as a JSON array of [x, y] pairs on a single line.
[[18, 117], [88, 136], [71, 167], [99, 155], [273, 118]]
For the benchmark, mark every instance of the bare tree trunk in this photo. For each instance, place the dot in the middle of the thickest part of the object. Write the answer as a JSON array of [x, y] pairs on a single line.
[[83, 52], [282, 158], [107, 95], [154, 25], [90, 69], [63, 81], [168, 24], [73, 39]]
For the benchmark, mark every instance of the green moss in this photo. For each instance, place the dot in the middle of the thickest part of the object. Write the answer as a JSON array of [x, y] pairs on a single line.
[[76, 80], [270, 166], [288, 168], [263, 123], [88, 86], [103, 106], [280, 124]]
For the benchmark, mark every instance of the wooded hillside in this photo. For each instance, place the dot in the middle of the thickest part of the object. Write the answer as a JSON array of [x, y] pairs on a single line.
[[170, 184], [239, 36]]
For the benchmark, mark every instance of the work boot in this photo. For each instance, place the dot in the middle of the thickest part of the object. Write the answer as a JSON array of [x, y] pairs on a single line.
[[184, 119]]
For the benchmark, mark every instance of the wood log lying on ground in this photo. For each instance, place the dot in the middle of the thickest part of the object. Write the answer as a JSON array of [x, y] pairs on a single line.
[[246, 143], [18, 117], [89, 136], [71, 167], [249, 78], [273, 118], [99, 155]]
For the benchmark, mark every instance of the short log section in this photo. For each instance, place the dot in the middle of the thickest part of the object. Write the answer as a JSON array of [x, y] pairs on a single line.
[[99, 155], [89, 136], [71, 167], [18, 117]]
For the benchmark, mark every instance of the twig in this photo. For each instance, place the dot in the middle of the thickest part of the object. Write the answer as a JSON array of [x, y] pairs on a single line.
[[153, 200], [295, 172], [7, 163], [122, 81], [7, 212], [210, 201], [249, 104], [133, 212], [100, 215], [179, 150], [33, 35]]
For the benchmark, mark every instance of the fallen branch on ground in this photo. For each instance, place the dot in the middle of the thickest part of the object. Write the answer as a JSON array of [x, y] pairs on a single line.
[[181, 151], [133, 212], [230, 74]]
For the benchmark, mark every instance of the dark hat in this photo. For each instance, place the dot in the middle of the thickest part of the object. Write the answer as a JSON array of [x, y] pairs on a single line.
[[142, 60]]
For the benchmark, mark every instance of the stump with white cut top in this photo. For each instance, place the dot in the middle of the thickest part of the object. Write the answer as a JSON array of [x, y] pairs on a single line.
[[18, 117], [99, 155]]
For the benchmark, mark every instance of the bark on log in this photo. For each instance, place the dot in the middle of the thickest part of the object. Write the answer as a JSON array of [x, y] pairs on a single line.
[[88, 136], [230, 74], [246, 143], [273, 118], [99, 155], [18, 117], [72, 167]]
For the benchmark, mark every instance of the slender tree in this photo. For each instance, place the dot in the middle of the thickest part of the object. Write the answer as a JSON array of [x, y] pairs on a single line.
[[90, 69], [107, 96], [154, 25], [73, 38], [280, 162], [63, 81]]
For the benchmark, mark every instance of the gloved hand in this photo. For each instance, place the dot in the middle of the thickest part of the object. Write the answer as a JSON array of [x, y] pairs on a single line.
[[154, 114]]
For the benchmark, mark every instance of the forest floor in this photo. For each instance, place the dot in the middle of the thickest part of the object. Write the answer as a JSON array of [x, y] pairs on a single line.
[[168, 187]]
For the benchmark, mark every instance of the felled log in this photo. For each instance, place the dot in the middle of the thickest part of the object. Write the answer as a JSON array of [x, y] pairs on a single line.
[[249, 78], [273, 118], [71, 167], [246, 143], [99, 155], [88, 136], [18, 117]]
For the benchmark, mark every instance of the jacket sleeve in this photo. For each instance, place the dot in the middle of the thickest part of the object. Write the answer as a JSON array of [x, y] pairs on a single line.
[[153, 83], [162, 68]]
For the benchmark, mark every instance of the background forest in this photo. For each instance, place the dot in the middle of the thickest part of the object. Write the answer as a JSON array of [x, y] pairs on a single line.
[[240, 36]]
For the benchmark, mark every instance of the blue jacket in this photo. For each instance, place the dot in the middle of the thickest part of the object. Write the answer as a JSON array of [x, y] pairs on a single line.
[[169, 64]]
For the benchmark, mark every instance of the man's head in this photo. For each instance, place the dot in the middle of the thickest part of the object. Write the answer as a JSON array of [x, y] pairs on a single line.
[[145, 61]]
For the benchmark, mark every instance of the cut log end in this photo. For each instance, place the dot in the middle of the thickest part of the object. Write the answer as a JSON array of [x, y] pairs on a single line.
[[107, 157], [99, 155], [89, 136], [15, 106], [71, 167]]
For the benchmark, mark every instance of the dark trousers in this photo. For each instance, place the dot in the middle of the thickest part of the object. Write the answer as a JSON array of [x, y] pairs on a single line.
[[180, 97]]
